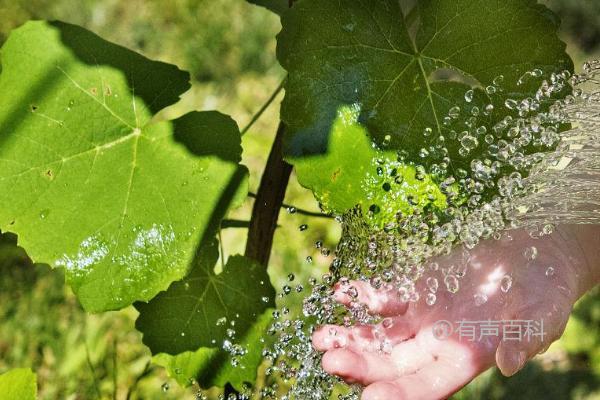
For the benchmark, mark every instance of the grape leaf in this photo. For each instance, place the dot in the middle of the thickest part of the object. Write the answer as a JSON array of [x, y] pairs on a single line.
[[405, 70], [277, 6], [90, 182], [18, 384], [214, 366], [351, 183], [197, 311]]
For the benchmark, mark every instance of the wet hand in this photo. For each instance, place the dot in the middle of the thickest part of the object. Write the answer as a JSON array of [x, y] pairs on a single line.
[[422, 350]]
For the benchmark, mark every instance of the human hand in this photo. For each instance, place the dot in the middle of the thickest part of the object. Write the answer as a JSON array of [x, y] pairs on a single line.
[[505, 280]]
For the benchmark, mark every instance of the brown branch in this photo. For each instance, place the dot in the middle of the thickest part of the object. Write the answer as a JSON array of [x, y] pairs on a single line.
[[268, 202]]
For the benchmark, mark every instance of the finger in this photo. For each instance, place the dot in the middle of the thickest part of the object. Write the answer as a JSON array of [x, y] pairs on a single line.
[[329, 337], [394, 330], [545, 323], [370, 338], [363, 368], [512, 355], [437, 380], [384, 301]]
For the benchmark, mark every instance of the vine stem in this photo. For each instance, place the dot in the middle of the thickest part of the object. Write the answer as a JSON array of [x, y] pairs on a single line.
[[264, 107], [268, 202]]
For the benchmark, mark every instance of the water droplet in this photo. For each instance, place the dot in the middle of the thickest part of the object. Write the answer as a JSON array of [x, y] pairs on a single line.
[[374, 209], [291, 277], [511, 104], [549, 271], [454, 112], [352, 292], [469, 142], [165, 387], [490, 89], [469, 95], [303, 227], [309, 259], [506, 283], [530, 253], [221, 321], [430, 299], [427, 132], [432, 284], [451, 283], [548, 229], [291, 210], [387, 323], [44, 213], [349, 27]]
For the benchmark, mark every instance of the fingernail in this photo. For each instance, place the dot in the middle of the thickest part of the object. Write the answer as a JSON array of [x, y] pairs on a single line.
[[516, 361]]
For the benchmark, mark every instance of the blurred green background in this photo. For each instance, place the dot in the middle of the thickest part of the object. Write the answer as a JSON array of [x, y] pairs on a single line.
[[228, 46]]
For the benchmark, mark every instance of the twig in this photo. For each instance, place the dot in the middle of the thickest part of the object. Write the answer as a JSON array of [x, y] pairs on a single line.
[[234, 223], [299, 210], [264, 107]]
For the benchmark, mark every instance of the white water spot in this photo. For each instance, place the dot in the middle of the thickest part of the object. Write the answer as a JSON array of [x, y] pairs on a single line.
[[492, 281], [149, 246], [91, 251]]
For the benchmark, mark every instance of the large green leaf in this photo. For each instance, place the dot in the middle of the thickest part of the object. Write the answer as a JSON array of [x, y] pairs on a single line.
[[216, 367], [18, 384], [199, 310], [90, 182], [405, 71]]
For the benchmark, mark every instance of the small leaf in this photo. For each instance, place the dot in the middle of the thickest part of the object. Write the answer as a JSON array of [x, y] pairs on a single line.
[[213, 366], [199, 310], [18, 384], [348, 176], [90, 182], [405, 70]]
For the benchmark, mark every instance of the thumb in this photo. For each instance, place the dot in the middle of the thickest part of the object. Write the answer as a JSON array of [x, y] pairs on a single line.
[[512, 355]]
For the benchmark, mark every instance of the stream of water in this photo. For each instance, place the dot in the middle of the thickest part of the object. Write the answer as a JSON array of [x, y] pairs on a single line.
[[556, 183]]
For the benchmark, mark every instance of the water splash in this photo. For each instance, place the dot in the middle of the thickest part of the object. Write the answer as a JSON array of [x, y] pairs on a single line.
[[563, 187], [529, 172]]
